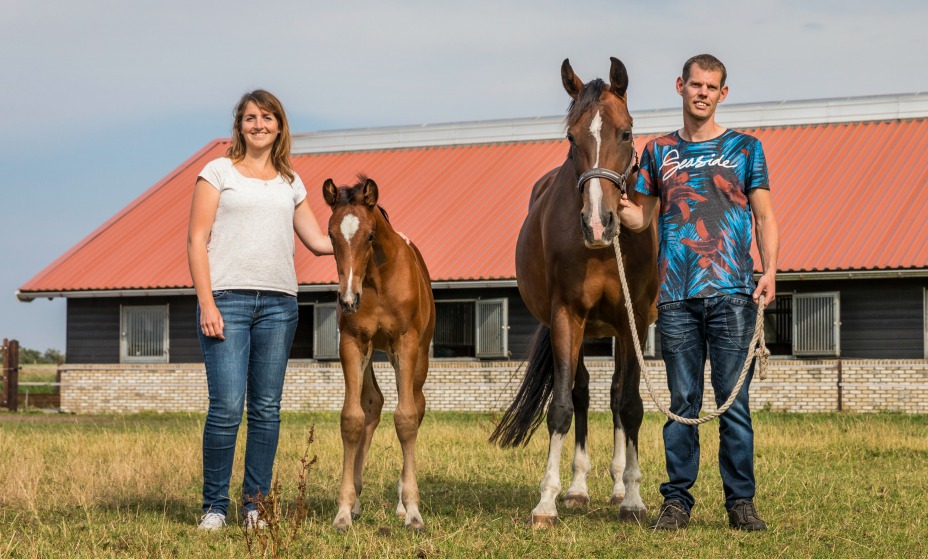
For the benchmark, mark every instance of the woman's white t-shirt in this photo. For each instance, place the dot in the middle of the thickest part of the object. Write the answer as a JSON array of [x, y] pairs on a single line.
[[251, 243]]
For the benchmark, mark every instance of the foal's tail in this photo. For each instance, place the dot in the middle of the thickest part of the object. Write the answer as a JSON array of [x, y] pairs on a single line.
[[525, 413]]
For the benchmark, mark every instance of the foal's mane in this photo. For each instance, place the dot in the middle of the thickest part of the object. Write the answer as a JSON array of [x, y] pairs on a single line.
[[355, 195], [589, 96]]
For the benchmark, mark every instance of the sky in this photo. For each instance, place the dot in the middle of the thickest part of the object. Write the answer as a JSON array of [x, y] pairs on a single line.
[[100, 99]]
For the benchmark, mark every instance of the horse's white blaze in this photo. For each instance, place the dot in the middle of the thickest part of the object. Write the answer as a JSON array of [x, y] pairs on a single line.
[[596, 189], [551, 483], [581, 467], [349, 226], [617, 466], [632, 479]]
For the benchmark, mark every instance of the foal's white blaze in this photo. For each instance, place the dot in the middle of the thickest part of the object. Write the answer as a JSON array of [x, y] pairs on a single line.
[[551, 483], [632, 479], [581, 467], [596, 189], [617, 466], [349, 226]]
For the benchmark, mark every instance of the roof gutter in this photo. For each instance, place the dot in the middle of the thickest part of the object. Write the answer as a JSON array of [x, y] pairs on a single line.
[[28, 296]]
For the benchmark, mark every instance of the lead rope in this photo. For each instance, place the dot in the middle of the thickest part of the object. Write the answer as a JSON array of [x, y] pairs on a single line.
[[760, 350]]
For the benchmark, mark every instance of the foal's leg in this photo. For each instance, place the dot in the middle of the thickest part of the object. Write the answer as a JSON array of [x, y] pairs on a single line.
[[354, 362], [617, 465], [631, 412], [372, 404], [577, 494], [566, 339], [409, 411]]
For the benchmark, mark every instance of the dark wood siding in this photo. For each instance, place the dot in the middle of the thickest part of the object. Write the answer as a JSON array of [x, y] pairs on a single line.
[[880, 319]]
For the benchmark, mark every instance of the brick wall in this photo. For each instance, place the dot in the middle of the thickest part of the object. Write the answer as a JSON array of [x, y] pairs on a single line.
[[791, 385]]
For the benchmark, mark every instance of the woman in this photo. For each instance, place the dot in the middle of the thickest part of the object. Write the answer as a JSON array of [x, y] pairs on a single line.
[[246, 207]]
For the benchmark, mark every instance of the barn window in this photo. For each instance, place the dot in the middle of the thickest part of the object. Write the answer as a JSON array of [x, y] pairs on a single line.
[[778, 325], [325, 331], [817, 324], [605, 347], [144, 334], [471, 328]]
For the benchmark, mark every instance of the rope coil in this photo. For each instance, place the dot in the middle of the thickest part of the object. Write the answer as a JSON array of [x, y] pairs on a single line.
[[758, 349]]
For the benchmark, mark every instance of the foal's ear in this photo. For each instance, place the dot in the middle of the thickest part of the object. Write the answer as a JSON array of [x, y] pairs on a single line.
[[618, 77], [329, 192], [370, 193], [572, 83]]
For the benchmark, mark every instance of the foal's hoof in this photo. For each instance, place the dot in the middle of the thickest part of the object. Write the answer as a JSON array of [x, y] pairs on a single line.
[[636, 515], [342, 522], [356, 510], [416, 525], [616, 500], [576, 500], [542, 521]]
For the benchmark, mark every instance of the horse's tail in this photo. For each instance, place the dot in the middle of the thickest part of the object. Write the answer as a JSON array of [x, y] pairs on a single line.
[[526, 411]]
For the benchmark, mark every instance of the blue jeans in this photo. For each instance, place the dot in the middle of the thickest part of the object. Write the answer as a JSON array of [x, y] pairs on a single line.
[[722, 326], [251, 361]]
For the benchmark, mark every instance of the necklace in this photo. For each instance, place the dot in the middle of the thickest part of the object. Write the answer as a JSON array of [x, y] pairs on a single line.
[[254, 175]]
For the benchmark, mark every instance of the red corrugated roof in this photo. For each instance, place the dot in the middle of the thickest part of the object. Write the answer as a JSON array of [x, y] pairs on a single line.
[[847, 197]]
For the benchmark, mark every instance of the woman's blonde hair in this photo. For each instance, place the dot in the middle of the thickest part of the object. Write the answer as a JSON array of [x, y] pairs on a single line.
[[280, 153]]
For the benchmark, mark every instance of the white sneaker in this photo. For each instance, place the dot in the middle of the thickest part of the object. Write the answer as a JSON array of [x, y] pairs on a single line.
[[253, 521], [212, 521]]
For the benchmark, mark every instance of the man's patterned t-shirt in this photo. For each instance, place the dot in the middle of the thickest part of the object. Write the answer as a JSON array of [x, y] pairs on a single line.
[[705, 217]]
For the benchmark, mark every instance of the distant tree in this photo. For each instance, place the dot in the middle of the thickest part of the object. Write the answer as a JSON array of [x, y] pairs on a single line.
[[52, 355], [28, 356]]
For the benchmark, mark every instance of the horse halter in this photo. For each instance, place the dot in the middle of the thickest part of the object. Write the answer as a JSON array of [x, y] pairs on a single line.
[[611, 176]]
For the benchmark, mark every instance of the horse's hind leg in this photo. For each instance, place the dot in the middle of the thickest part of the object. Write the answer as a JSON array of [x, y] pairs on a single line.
[[410, 409], [630, 414], [372, 404], [577, 494]]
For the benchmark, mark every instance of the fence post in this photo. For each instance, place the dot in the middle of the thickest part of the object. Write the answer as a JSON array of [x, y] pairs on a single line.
[[11, 373], [6, 389]]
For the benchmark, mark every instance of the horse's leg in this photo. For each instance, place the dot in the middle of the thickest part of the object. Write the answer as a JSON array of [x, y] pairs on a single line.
[[617, 465], [372, 403], [577, 494], [566, 339], [631, 412], [407, 418], [354, 361]]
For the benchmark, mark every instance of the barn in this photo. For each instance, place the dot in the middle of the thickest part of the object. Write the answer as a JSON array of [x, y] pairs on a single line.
[[848, 329]]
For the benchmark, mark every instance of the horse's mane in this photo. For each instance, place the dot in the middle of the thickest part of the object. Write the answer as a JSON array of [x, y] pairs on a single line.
[[355, 194], [588, 97]]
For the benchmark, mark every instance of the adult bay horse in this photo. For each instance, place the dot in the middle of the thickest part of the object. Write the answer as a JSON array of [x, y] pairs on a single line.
[[385, 303], [567, 276]]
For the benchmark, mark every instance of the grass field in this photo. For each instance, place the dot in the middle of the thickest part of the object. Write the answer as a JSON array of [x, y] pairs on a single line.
[[128, 486]]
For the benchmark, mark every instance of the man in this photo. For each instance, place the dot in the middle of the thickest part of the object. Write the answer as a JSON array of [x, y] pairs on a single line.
[[708, 182]]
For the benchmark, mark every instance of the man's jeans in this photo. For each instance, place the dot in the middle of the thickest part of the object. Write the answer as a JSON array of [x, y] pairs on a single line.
[[723, 326], [258, 329]]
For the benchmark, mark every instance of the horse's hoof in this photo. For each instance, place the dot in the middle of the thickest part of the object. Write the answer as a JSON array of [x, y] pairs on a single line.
[[576, 500], [616, 500], [542, 521], [342, 523], [416, 525], [636, 515], [356, 511]]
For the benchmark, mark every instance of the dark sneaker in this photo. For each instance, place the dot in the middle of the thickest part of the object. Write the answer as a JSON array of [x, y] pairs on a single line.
[[743, 516], [672, 516]]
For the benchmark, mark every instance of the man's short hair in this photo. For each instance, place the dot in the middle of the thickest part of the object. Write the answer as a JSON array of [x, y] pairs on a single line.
[[706, 62]]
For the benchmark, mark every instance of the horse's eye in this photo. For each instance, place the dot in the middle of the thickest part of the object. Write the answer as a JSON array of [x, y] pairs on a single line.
[[370, 238], [627, 135], [570, 138]]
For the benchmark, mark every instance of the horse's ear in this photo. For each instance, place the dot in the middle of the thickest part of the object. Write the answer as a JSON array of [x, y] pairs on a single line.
[[329, 192], [370, 193], [572, 84], [618, 77]]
